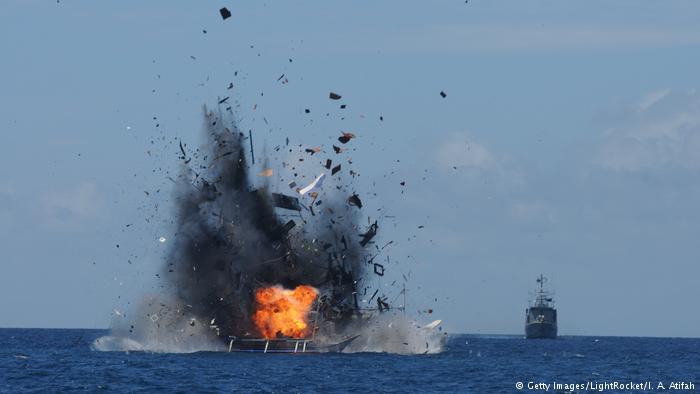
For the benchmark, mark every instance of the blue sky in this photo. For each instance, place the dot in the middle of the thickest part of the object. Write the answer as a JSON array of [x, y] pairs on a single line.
[[567, 144]]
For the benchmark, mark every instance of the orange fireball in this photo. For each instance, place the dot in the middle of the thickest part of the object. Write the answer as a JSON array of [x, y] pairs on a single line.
[[280, 312]]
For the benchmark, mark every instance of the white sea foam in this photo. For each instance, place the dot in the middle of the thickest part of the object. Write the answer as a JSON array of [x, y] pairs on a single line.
[[397, 334], [160, 325]]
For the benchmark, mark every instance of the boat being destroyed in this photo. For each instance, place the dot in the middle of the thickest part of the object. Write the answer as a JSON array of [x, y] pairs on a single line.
[[272, 271]]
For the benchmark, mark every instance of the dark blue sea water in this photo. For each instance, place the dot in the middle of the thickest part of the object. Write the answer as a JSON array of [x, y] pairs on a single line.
[[38, 360]]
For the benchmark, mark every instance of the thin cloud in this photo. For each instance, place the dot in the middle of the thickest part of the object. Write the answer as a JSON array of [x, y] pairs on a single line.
[[663, 131], [652, 98]]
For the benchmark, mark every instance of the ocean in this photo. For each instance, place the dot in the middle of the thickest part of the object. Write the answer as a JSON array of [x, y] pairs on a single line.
[[57, 360]]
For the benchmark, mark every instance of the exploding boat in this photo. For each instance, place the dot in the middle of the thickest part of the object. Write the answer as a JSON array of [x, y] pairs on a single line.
[[267, 282]]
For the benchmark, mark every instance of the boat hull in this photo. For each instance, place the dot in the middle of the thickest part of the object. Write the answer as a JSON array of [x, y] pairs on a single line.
[[541, 331], [292, 345]]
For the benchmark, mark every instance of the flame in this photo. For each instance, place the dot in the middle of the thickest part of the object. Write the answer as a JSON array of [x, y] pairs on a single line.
[[283, 312]]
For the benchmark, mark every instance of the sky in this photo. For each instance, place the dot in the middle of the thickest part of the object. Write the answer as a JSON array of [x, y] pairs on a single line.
[[567, 145]]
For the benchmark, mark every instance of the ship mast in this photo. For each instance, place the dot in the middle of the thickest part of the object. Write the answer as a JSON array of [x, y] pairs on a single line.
[[542, 299]]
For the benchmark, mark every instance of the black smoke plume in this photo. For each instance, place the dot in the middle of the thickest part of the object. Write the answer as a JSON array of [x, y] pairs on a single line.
[[231, 238]]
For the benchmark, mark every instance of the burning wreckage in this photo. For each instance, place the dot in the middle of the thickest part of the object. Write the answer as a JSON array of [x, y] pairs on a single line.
[[266, 283]]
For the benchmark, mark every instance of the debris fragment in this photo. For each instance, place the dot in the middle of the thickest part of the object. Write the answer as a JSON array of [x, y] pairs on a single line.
[[379, 269], [334, 96], [266, 172], [313, 150], [382, 304], [335, 169], [313, 186], [329, 162], [346, 137], [443, 94], [162, 239], [355, 201], [225, 13], [292, 185], [223, 100], [373, 294], [432, 324], [286, 202], [371, 232], [288, 226], [337, 149], [184, 155], [252, 153]]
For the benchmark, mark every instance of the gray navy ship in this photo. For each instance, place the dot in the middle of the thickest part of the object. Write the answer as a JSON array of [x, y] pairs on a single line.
[[541, 317]]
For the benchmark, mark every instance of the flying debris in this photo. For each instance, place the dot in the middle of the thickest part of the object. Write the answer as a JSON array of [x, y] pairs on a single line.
[[266, 172], [371, 232], [379, 269], [286, 202], [289, 226], [432, 324], [345, 138], [354, 200], [314, 186], [225, 13], [261, 270], [443, 94], [334, 96], [231, 243]]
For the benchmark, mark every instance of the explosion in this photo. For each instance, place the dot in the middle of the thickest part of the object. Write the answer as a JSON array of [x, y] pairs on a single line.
[[235, 236], [258, 258], [284, 313]]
